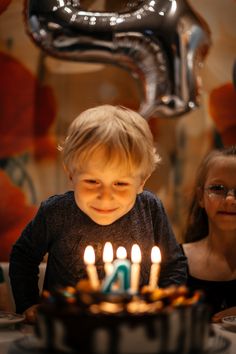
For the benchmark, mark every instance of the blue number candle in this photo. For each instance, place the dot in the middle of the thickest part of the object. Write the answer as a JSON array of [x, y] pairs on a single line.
[[120, 274]]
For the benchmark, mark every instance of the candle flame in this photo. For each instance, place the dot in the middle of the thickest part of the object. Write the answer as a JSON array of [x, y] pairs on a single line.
[[155, 255], [89, 255], [136, 254], [108, 253], [121, 253]]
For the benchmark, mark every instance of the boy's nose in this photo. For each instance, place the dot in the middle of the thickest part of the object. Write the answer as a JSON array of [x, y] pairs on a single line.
[[105, 193]]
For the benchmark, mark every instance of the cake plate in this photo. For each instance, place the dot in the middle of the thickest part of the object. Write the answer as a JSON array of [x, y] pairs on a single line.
[[10, 318]]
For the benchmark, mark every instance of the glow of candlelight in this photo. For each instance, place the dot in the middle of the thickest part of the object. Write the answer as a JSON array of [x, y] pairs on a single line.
[[89, 260], [108, 258], [135, 268], [121, 253], [155, 267]]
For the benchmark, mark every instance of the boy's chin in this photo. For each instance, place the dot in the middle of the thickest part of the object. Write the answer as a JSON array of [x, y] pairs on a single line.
[[104, 222], [105, 219]]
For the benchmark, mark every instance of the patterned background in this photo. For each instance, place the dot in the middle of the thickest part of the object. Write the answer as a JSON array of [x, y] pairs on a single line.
[[40, 96]]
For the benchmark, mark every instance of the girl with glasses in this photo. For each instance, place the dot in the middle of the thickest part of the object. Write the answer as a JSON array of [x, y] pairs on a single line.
[[210, 237]]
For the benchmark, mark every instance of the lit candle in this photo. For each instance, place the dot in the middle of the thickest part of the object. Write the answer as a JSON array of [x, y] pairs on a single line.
[[108, 258], [89, 260], [135, 268], [155, 267], [121, 253], [120, 274]]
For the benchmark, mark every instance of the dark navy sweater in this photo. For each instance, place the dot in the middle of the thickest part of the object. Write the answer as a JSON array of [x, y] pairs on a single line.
[[63, 231]]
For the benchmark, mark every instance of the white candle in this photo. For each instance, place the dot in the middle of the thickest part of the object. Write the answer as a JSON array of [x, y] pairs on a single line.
[[89, 260], [155, 267], [135, 268], [108, 258]]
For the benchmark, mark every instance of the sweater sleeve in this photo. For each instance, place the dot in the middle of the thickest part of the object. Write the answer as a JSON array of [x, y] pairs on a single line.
[[26, 255], [174, 262]]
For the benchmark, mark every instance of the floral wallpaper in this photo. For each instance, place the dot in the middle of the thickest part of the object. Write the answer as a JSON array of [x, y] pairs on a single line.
[[41, 95]]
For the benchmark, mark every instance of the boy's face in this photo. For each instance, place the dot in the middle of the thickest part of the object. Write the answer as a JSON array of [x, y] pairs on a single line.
[[105, 192]]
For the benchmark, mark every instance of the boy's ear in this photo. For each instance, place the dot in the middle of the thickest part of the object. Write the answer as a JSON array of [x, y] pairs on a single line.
[[140, 190], [70, 177]]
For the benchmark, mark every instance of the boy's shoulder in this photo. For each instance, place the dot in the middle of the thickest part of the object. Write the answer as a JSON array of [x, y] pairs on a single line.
[[59, 201], [150, 198]]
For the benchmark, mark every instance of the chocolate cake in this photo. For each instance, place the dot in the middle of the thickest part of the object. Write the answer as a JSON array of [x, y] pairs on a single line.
[[170, 320]]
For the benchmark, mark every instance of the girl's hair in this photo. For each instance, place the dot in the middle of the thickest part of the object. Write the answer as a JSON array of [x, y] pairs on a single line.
[[120, 133], [197, 219]]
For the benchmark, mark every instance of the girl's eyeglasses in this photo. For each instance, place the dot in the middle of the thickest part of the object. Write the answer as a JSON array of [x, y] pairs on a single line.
[[219, 191]]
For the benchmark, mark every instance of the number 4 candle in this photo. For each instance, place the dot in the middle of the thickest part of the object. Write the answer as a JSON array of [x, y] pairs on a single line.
[[155, 267], [120, 274]]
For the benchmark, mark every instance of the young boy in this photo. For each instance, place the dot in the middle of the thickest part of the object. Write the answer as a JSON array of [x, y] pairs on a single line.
[[108, 155]]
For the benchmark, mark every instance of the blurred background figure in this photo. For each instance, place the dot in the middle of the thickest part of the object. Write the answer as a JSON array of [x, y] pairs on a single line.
[[210, 236]]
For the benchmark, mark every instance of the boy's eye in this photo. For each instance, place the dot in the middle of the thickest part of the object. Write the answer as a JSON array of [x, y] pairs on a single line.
[[121, 184], [91, 181]]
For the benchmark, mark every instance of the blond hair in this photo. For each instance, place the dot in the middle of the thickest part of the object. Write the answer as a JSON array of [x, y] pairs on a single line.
[[122, 134]]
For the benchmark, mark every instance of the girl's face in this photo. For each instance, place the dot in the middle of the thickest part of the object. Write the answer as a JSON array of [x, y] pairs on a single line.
[[220, 206], [105, 192]]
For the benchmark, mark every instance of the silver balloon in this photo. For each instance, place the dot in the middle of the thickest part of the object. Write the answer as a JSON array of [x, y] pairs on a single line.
[[162, 43]]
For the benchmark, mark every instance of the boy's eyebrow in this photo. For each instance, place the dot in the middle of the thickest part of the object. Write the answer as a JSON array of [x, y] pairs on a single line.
[[90, 175]]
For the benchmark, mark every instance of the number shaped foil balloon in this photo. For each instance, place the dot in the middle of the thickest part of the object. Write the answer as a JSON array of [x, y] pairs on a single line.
[[162, 43]]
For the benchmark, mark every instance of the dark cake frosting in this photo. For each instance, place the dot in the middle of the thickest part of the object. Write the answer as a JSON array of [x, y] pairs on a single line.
[[170, 320]]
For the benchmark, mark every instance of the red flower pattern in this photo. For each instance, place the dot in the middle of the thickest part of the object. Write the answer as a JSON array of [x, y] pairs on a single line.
[[28, 110], [3, 5], [15, 213], [222, 108]]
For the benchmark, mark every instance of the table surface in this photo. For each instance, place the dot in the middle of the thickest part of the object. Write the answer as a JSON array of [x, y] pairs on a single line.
[[10, 334]]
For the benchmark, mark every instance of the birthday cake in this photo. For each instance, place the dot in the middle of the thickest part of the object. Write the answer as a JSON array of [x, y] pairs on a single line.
[[79, 319]]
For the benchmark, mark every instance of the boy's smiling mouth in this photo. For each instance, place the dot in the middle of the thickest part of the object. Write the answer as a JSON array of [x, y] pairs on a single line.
[[104, 211]]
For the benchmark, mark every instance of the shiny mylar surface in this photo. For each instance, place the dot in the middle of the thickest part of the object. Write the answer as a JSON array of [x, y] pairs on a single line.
[[162, 43]]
